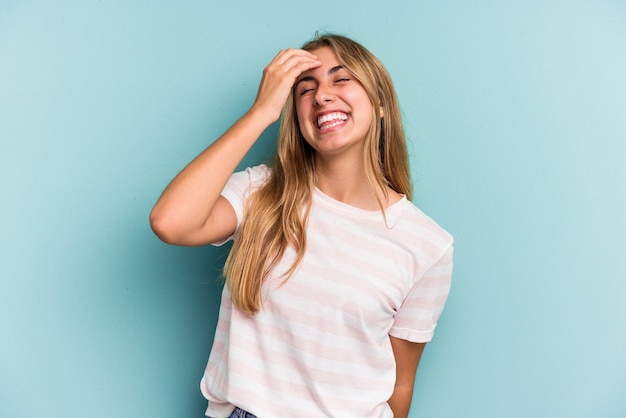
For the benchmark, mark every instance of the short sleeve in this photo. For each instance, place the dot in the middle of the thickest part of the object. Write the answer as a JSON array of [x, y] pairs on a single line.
[[417, 317], [239, 188]]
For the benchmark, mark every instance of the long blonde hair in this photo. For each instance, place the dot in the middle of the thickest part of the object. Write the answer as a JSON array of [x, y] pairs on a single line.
[[277, 214]]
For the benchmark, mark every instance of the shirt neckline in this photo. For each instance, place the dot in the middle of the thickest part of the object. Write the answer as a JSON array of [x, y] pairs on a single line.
[[392, 212]]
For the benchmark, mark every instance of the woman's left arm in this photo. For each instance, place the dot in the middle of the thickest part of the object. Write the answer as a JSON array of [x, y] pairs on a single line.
[[407, 355]]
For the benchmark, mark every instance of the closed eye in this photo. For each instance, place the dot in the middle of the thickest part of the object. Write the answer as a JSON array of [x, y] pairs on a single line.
[[305, 90]]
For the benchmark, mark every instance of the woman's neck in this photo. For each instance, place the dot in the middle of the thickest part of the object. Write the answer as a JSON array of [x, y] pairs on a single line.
[[346, 181]]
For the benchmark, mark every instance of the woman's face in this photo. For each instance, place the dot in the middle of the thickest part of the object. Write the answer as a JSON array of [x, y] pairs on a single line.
[[334, 111]]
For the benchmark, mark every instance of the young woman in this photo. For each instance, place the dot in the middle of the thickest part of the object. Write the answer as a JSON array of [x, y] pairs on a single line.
[[335, 280]]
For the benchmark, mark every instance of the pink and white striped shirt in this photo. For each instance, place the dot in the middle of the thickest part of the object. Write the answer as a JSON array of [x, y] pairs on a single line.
[[319, 346]]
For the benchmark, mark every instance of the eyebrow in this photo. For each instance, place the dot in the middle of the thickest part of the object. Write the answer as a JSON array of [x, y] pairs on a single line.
[[311, 78]]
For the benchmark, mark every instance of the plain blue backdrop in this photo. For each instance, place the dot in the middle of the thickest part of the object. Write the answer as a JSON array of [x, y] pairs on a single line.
[[516, 113]]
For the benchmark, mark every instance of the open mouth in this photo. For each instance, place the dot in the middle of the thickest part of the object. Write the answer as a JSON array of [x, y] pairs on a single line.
[[330, 120]]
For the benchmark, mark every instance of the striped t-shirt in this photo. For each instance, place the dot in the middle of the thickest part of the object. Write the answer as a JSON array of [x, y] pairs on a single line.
[[319, 346]]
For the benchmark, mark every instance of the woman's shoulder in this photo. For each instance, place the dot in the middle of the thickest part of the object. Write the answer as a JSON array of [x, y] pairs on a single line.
[[423, 224], [253, 176], [258, 172]]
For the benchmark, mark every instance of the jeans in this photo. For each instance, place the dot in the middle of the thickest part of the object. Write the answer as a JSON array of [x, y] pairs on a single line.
[[240, 413]]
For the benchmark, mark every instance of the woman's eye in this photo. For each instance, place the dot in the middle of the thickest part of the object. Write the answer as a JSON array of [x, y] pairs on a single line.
[[342, 80], [305, 91]]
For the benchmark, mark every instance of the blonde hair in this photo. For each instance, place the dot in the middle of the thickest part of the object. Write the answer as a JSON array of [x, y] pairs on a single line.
[[277, 214]]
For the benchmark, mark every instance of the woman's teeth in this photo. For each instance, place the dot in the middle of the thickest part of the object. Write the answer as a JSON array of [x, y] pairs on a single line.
[[331, 119]]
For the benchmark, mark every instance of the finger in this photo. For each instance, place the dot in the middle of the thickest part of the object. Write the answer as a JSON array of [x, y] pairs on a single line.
[[299, 63], [287, 54], [295, 67], [287, 72]]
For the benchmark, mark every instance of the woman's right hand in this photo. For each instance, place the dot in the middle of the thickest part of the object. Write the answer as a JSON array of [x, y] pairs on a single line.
[[278, 79], [191, 211]]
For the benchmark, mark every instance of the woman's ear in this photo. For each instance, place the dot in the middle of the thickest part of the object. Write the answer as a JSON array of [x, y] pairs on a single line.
[[382, 112]]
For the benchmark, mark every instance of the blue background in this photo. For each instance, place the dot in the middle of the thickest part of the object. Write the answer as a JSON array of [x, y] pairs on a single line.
[[516, 113]]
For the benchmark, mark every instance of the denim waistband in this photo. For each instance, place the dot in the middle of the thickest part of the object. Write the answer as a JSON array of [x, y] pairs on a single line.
[[240, 413]]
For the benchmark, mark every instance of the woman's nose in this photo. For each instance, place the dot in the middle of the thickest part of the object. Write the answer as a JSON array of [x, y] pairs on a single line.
[[323, 95]]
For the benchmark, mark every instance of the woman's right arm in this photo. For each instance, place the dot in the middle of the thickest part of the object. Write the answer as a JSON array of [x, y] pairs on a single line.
[[191, 211]]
